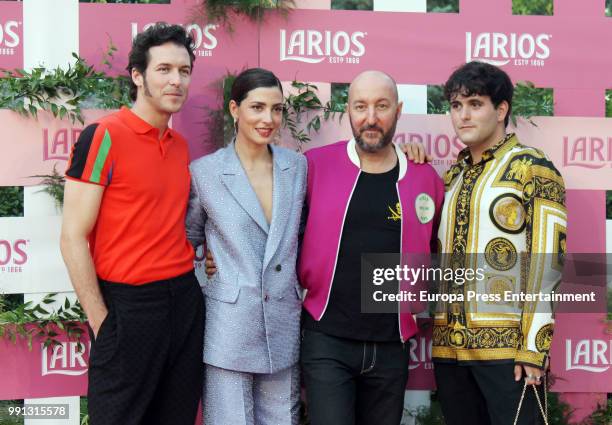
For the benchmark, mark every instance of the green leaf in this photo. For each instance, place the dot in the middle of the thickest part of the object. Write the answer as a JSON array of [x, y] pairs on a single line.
[[32, 109], [41, 310]]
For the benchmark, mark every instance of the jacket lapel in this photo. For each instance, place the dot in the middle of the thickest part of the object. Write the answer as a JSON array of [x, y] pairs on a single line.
[[282, 200], [237, 183]]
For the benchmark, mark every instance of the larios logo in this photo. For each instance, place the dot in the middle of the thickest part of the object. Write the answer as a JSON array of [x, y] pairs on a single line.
[[65, 358], [13, 255], [590, 355], [203, 38], [587, 152], [312, 46], [420, 353], [442, 147], [58, 145], [9, 38], [500, 49]]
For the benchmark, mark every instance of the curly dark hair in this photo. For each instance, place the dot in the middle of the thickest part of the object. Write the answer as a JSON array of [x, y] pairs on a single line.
[[156, 35], [481, 79]]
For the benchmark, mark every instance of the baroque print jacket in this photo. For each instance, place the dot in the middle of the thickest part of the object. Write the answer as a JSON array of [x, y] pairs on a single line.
[[506, 217]]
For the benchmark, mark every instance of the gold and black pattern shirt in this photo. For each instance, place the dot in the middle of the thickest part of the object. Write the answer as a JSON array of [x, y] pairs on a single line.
[[497, 215]]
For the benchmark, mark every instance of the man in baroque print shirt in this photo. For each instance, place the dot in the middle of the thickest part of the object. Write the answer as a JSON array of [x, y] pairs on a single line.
[[503, 213]]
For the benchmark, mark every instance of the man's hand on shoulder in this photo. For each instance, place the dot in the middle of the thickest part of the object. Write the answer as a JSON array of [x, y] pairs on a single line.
[[415, 152]]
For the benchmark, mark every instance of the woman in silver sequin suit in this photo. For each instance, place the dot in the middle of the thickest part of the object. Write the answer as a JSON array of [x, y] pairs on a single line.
[[245, 204]]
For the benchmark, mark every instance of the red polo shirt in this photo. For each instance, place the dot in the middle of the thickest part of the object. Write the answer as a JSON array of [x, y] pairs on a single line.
[[139, 235]]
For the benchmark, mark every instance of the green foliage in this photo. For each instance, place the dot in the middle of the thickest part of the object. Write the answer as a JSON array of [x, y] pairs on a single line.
[[11, 201], [339, 95], [431, 415], [609, 102], [532, 7], [609, 204], [5, 418], [54, 186], [601, 416], [436, 103], [443, 6], [306, 102], [219, 121], [558, 411], [84, 411], [10, 301], [530, 101], [608, 7], [47, 325], [81, 86], [352, 4], [222, 10]]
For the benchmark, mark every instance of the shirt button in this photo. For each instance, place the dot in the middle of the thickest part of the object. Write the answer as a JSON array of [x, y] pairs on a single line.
[[266, 297], [278, 268]]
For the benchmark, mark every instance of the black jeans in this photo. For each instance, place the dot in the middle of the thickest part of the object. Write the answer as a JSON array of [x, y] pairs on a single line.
[[351, 382], [485, 395], [146, 364]]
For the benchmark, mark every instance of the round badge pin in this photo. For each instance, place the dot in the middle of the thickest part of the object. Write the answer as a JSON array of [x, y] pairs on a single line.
[[424, 207]]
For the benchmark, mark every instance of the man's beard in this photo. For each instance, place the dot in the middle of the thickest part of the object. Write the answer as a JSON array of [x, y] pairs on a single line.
[[382, 143]]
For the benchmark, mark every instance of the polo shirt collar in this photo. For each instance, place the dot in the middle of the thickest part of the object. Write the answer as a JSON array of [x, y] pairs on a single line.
[[137, 124]]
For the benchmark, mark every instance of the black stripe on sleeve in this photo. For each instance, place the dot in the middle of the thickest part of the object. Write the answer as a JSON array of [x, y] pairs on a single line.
[[80, 152]]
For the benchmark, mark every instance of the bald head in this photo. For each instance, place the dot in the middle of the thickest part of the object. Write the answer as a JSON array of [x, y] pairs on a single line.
[[374, 109], [373, 83]]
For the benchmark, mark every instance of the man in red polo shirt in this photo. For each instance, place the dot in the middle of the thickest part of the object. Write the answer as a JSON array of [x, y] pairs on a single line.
[[124, 244]]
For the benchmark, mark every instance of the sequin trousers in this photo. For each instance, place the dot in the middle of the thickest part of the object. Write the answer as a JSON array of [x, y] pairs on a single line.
[[241, 398]]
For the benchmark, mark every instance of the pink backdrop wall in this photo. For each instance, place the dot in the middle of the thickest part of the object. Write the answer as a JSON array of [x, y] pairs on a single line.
[[567, 52], [11, 35]]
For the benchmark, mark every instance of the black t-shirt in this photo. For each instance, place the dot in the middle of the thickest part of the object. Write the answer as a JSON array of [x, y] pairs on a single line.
[[372, 225]]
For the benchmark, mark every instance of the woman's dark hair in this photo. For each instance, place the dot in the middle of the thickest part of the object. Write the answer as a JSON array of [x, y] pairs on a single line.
[[481, 79], [250, 79], [156, 35]]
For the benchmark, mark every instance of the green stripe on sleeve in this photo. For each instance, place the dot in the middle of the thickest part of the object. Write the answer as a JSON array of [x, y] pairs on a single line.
[[101, 158]]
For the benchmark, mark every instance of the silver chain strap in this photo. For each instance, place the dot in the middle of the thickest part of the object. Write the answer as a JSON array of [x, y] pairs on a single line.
[[544, 410]]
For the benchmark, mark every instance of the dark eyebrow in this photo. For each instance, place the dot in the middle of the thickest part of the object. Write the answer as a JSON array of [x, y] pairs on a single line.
[[170, 65], [258, 103]]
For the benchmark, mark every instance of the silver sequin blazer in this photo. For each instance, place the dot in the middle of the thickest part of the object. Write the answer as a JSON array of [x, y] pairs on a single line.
[[253, 301]]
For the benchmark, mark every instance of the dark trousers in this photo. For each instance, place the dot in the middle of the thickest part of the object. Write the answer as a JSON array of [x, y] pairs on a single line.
[[351, 382], [485, 395], [146, 364]]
